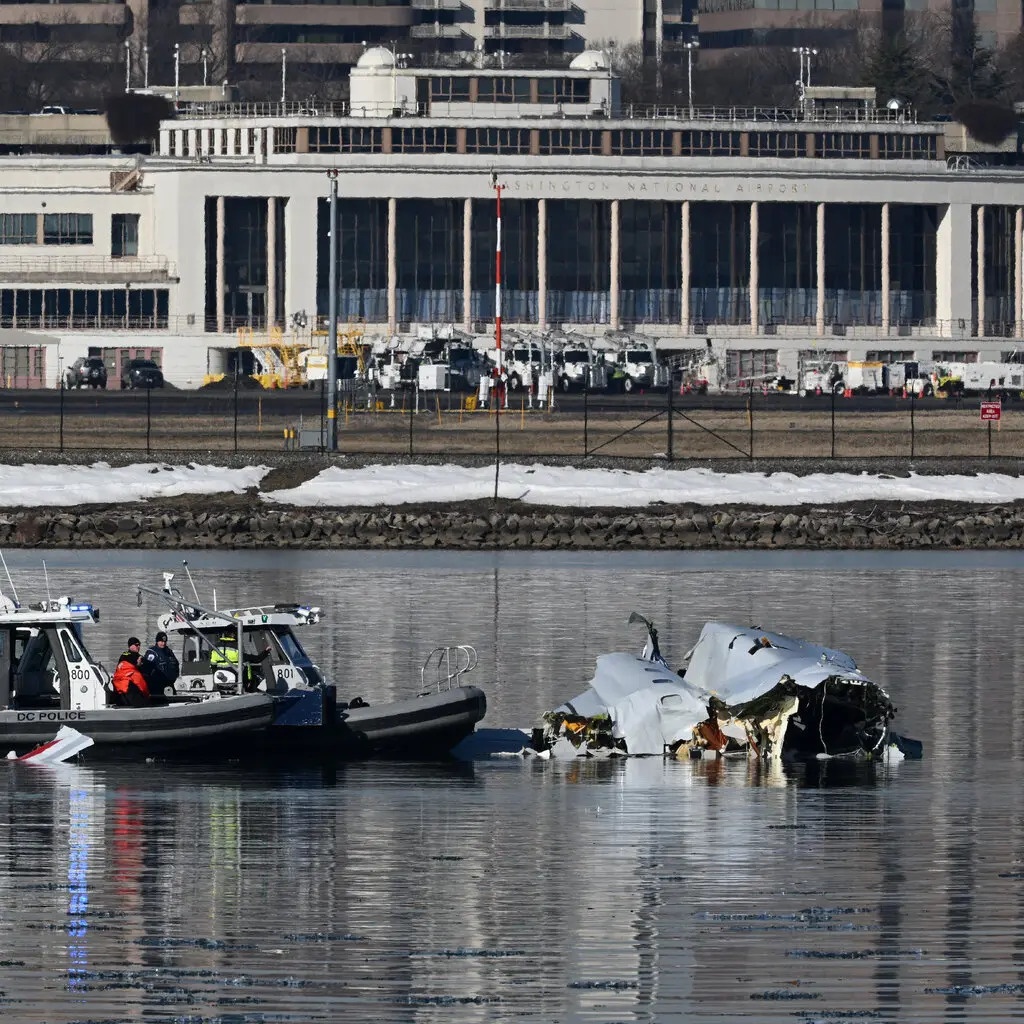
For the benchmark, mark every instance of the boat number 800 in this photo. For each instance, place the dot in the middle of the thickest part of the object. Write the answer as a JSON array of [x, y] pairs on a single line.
[[80, 673]]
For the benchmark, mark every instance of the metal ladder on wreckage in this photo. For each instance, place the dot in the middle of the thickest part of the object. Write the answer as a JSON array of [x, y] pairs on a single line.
[[450, 664]]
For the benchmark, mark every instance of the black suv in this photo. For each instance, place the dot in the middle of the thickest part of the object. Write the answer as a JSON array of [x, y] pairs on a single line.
[[141, 373], [87, 372]]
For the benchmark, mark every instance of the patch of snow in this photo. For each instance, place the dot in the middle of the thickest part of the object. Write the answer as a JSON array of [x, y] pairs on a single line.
[[612, 488]]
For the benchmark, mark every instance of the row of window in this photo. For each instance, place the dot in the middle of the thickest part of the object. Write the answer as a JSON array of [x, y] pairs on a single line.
[[510, 89], [614, 142], [57, 229], [69, 229]]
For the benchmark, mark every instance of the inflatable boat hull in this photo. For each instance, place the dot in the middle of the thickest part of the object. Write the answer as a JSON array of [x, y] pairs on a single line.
[[213, 727], [312, 722]]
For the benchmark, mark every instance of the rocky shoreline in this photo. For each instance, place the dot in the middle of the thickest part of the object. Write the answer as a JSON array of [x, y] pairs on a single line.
[[247, 521], [905, 527]]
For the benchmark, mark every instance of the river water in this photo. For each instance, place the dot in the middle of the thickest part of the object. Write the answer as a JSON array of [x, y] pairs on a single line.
[[510, 890]]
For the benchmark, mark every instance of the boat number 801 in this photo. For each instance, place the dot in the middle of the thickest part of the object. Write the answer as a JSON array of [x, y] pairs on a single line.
[[284, 673]]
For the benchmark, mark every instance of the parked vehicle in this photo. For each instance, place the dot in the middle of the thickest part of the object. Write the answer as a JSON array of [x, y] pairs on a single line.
[[635, 368], [576, 368], [522, 364], [991, 380], [141, 373], [86, 372]]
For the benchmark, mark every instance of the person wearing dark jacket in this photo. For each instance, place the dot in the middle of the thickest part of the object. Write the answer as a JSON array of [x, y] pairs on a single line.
[[129, 683], [159, 665]]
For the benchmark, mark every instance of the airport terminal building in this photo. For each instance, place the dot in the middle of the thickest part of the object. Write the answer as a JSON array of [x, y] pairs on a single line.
[[836, 228]]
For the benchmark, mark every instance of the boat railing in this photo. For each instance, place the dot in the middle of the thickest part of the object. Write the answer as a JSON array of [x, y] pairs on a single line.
[[448, 664]]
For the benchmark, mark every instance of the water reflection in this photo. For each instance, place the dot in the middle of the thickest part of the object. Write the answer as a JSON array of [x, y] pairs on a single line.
[[640, 890]]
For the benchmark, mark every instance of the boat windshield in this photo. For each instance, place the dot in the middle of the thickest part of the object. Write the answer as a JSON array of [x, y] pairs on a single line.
[[296, 655]]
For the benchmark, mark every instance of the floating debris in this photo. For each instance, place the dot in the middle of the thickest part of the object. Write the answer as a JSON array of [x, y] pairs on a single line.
[[324, 937], [852, 954], [613, 985], [472, 953], [166, 942], [1007, 988], [785, 994]]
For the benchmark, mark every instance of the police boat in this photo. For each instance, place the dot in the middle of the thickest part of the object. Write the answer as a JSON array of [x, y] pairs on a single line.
[[49, 680], [255, 649]]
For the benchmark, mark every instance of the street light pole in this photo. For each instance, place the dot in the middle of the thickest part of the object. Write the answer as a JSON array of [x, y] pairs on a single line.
[[284, 75], [206, 69], [145, 66], [177, 73], [332, 319], [127, 66], [692, 45]]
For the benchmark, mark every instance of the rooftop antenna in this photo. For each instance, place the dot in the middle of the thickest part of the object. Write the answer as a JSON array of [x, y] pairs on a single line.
[[46, 576], [195, 592], [14, 589]]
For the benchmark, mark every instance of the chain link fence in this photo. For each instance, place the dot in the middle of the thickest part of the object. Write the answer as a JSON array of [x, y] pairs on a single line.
[[407, 424]]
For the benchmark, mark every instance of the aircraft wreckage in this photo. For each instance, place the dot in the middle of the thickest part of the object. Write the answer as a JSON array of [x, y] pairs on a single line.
[[740, 690]]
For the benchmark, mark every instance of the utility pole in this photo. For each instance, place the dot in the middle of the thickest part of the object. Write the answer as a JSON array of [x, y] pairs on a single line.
[[332, 320]]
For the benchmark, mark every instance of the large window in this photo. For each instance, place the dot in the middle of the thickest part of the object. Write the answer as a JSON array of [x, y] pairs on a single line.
[[344, 140], [503, 90], [424, 140], [124, 234], [642, 142], [67, 229], [18, 229], [498, 140], [563, 90], [570, 141], [450, 90]]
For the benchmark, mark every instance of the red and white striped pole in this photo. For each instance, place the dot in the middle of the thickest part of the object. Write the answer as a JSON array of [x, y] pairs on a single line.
[[497, 294]]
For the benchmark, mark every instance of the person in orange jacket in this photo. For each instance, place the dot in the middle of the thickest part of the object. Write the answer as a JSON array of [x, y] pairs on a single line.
[[129, 683]]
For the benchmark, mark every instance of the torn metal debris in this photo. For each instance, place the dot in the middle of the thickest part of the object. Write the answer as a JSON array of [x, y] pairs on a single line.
[[740, 691]]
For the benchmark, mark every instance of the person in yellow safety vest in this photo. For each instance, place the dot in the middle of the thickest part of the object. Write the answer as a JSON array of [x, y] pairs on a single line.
[[226, 653]]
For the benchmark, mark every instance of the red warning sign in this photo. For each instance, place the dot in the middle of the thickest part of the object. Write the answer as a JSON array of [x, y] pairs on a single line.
[[991, 411]]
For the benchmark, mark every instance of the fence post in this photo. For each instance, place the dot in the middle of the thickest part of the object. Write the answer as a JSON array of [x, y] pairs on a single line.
[[62, 414], [586, 421], [833, 422], [913, 402], [990, 439], [413, 399], [669, 451], [236, 406], [149, 418], [750, 417]]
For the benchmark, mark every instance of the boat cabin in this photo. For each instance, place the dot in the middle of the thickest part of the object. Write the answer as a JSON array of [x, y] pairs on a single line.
[[44, 662], [272, 659]]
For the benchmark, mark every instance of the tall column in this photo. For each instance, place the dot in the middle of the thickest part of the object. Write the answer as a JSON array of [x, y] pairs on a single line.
[[755, 320], [301, 273], [220, 266], [467, 265], [886, 273], [613, 291], [392, 266], [684, 303], [271, 263], [819, 270], [542, 264], [1018, 274], [952, 277], [980, 213]]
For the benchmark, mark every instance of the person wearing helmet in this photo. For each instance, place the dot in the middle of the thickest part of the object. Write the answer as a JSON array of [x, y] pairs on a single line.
[[159, 665], [226, 653]]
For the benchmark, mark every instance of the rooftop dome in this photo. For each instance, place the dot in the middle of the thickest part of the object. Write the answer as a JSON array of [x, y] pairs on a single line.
[[379, 57], [590, 60]]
